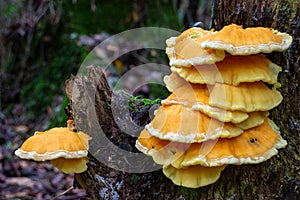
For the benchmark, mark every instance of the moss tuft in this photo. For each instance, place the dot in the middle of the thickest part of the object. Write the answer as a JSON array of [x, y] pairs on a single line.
[[189, 193]]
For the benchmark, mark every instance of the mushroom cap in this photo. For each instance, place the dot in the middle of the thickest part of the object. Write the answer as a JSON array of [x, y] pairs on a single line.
[[232, 70], [196, 96], [186, 50], [182, 124], [253, 146], [192, 33], [188, 94], [54, 143], [240, 119], [255, 119], [173, 81], [221, 114], [193, 176], [76, 165], [246, 97], [156, 148], [238, 41]]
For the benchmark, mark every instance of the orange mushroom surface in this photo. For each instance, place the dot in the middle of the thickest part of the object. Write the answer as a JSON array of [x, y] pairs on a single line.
[[190, 94], [232, 70], [186, 50], [76, 165], [54, 143], [254, 119], [238, 41], [196, 96], [246, 97], [173, 81], [66, 149], [192, 33], [193, 176], [253, 146], [182, 124], [217, 112]]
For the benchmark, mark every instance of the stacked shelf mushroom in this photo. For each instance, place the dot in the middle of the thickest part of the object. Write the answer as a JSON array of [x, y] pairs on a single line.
[[66, 149], [222, 89]]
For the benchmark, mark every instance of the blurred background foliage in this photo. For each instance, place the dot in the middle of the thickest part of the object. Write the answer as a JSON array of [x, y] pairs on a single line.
[[39, 47]]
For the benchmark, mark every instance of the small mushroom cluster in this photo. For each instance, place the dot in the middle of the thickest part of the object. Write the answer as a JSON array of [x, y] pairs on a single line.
[[222, 89], [66, 149]]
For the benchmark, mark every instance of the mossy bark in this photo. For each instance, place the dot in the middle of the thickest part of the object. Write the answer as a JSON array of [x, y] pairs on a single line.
[[277, 178]]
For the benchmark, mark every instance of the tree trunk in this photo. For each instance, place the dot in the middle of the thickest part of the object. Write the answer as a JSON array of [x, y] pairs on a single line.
[[276, 178]]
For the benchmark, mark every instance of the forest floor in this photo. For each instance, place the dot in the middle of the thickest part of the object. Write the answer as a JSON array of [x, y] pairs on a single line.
[[25, 179]]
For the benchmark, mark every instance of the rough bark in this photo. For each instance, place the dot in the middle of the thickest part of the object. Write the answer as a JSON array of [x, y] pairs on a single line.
[[277, 178]]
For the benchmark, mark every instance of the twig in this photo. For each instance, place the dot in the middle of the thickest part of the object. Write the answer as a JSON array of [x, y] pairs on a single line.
[[63, 193]]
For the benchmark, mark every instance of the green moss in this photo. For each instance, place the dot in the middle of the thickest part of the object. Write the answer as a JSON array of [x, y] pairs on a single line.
[[134, 179], [189, 193], [137, 103]]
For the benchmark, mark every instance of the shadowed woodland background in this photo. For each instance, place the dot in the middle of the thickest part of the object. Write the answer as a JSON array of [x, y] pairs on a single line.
[[43, 42]]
